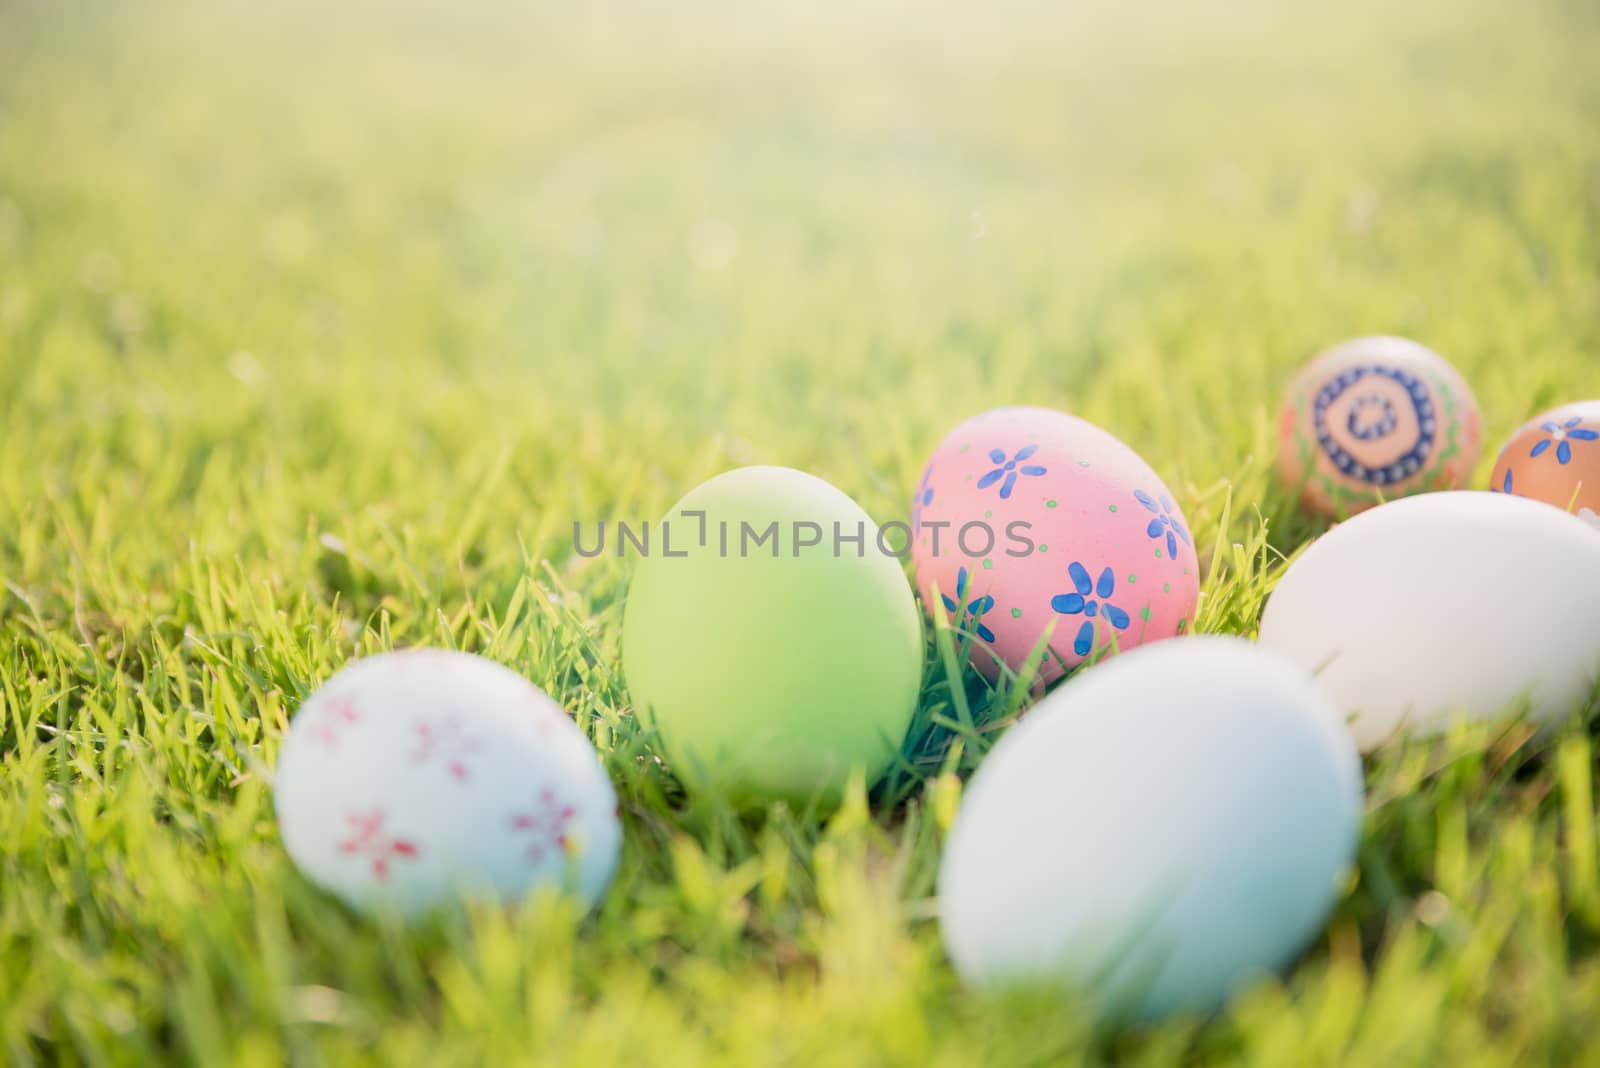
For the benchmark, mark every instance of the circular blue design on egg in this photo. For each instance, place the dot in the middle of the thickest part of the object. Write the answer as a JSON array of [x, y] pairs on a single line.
[[1363, 410], [1372, 417]]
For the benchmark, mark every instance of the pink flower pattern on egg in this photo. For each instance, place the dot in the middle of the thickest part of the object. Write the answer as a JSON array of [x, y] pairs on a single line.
[[1085, 535]]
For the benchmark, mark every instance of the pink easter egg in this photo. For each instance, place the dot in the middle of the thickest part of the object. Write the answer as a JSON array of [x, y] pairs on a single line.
[[1029, 516]]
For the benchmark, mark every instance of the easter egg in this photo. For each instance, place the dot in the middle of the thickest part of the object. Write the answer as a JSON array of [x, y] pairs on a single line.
[[1028, 518], [413, 777], [1156, 833], [1555, 458], [1442, 606], [1374, 419], [777, 647]]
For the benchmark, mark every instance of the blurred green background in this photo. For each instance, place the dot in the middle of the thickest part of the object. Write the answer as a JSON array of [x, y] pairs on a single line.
[[639, 243], [320, 325]]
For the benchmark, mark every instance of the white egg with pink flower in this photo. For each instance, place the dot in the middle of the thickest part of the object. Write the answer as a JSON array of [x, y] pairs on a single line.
[[415, 778]]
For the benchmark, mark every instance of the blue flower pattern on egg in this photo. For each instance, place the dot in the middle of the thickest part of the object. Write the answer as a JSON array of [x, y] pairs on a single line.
[[1090, 600], [1166, 522], [1504, 487], [1006, 470], [975, 610], [1561, 438], [923, 498]]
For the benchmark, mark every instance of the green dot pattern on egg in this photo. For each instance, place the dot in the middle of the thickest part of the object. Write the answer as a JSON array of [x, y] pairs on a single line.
[[1077, 519]]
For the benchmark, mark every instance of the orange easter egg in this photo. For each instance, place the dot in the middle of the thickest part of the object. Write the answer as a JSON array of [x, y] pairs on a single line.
[[1554, 458], [1374, 419]]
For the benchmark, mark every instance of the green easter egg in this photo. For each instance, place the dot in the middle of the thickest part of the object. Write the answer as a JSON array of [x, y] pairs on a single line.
[[771, 667]]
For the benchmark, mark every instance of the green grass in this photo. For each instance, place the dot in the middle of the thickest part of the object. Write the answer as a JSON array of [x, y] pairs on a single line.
[[318, 330]]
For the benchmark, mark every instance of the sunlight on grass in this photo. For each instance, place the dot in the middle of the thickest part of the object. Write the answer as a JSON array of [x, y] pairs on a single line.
[[320, 326]]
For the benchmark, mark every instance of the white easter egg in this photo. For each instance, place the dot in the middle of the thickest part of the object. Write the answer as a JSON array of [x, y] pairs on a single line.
[[412, 777], [1165, 827], [1442, 606]]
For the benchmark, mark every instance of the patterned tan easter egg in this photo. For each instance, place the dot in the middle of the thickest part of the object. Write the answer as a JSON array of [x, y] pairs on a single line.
[[1554, 458], [1374, 419]]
